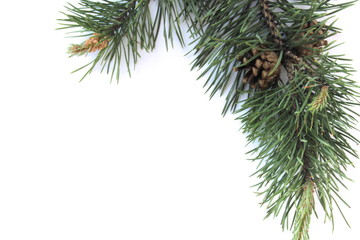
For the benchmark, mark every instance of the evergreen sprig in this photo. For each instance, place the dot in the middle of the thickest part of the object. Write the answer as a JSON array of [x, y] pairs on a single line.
[[299, 97], [127, 24]]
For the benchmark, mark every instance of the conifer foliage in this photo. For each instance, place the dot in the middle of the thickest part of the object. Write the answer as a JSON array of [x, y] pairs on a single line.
[[299, 97]]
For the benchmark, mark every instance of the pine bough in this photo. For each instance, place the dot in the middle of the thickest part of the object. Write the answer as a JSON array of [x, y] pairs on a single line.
[[299, 96]]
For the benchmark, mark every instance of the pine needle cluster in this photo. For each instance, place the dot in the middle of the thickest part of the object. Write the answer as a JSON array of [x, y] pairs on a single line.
[[298, 96]]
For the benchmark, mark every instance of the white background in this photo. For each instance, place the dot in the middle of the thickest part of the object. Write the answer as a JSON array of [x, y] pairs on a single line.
[[148, 158]]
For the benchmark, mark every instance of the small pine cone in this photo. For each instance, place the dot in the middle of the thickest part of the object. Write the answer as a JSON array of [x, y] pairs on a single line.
[[257, 70], [309, 49]]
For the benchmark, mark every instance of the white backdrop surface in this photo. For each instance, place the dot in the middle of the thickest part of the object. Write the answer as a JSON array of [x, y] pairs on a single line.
[[148, 158]]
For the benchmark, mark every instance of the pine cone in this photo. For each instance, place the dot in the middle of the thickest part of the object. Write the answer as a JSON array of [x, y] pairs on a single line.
[[258, 70], [309, 49]]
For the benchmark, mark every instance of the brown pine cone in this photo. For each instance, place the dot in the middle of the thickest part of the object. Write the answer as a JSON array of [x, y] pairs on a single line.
[[311, 48], [257, 71]]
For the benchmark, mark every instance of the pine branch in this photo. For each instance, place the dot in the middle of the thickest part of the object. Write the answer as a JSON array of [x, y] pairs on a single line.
[[301, 123], [126, 25], [114, 21]]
